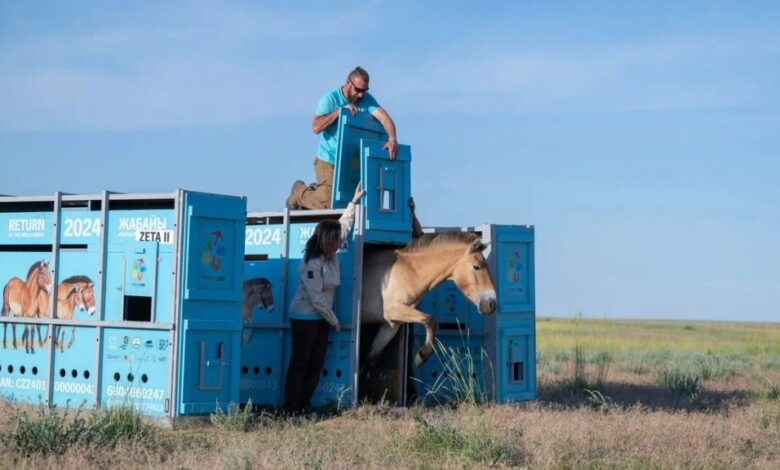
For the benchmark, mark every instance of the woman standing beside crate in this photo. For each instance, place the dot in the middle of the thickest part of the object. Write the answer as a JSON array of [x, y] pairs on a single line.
[[311, 312]]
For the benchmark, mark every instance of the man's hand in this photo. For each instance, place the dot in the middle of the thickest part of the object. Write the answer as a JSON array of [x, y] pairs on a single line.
[[391, 147], [352, 108]]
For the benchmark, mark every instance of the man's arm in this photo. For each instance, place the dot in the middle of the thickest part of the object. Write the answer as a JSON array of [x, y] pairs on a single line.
[[387, 122], [320, 123]]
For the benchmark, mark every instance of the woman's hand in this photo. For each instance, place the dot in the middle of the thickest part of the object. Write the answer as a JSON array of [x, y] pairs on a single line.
[[337, 327], [358, 195]]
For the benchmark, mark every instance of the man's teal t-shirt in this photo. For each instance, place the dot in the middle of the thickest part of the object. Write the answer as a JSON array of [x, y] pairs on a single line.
[[326, 151]]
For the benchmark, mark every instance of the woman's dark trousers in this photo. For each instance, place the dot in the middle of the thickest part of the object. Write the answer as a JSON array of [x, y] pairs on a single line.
[[309, 344]]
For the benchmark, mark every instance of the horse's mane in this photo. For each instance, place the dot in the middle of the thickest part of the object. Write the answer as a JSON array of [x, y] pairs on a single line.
[[35, 266], [77, 279], [428, 239]]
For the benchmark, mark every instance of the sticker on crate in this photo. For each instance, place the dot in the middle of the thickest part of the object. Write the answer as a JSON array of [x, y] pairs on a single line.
[[214, 250], [30, 299], [27, 299], [514, 267], [164, 237], [75, 292]]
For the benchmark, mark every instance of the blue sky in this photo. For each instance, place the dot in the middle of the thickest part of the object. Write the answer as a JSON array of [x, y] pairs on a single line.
[[640, 138]]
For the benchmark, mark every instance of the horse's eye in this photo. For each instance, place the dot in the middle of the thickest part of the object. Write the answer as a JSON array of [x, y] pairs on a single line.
[[477, 267]]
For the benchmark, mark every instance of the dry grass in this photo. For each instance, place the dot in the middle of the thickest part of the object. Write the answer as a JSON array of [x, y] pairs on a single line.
[[734, 422]]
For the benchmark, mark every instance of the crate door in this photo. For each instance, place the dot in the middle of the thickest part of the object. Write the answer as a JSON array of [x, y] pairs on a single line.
[[388, 186], [517, 361]]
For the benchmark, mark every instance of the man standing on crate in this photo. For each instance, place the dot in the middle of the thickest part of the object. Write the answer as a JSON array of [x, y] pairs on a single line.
[[353, 95]]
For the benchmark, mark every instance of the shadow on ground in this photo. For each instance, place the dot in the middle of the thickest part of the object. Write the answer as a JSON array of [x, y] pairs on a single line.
[[652, 397]]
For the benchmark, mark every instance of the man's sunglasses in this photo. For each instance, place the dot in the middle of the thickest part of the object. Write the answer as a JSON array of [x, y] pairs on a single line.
[[357, 89]]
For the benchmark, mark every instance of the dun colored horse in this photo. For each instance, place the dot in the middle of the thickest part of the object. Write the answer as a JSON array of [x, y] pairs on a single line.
[[257, 292], [75, 291], [395, 280], [27, 299]]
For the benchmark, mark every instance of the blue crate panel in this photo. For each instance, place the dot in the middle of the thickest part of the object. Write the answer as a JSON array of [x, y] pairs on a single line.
[[515, 268], [334, 385], [516, 361], [22, 375], [134, 370], [262, 377], [74, 366]]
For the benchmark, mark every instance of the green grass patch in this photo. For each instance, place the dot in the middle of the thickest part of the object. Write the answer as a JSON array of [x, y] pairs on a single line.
[[771, 362], [443, 440], [618, 336], [50, 430]]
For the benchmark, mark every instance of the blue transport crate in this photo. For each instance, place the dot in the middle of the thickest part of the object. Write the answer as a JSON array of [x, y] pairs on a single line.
[[503, 344], [120, 299]]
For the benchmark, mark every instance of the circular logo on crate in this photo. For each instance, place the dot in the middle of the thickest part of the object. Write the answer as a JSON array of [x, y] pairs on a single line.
[[514, 267], [139, 268], [214, 250], [136, 342], [451, 303]]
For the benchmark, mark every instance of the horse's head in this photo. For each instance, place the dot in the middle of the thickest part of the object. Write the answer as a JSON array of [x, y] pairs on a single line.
[[473, 279], [88, 297], [43, 276], [258, 292], [267, 296], [76, 293]]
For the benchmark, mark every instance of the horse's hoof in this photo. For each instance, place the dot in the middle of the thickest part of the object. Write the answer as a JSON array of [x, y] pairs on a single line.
[[418, 360]]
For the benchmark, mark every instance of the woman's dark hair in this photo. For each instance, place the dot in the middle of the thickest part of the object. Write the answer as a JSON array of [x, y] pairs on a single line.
[[326, 233]]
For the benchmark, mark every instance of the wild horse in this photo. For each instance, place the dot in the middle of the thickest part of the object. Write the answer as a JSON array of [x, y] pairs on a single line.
[[394, 281]]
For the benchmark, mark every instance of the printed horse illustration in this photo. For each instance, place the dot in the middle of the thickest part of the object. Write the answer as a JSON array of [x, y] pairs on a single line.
[[27, 299], [257, 293], [75, 291], [395, 280]]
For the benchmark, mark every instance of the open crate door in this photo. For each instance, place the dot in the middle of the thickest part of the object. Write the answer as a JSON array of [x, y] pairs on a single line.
[[212, 293], [387, 184], [352, 129]]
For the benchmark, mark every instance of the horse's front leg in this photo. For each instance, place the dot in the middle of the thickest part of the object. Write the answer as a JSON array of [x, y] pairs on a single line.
[[383, 337], [406, 314], [72, 337]]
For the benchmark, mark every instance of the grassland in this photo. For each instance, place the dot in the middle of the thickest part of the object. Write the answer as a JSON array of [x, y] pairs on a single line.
[[612, 394]]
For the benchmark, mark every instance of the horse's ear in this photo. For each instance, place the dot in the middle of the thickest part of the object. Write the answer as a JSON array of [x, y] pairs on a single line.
[[477, 246]]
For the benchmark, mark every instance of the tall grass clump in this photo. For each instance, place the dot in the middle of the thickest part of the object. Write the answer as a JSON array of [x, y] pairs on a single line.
[[580, 378], [766, 389], [107, 427], [48, 431], [442, 440], [771, 362], [602, 361], [237, 419], [682, 380], [53, 431], [460, 382]]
